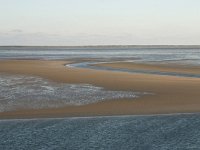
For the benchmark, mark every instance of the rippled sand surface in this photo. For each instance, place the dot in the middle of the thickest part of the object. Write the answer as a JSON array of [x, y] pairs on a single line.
[[19, 91]]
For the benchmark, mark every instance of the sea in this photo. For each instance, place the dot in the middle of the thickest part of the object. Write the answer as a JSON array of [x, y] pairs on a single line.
[[150, 132], [158, 54]]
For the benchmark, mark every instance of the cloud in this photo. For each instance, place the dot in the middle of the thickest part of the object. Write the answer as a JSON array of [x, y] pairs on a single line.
[[19, 37], [16, 31]]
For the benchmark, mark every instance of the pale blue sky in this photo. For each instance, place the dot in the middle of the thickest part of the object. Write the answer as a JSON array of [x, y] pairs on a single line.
[[96, 22]]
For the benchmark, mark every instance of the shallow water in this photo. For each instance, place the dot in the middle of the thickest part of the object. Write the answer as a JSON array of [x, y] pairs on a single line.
[[184, 55], [164, 132], [18, 91], [190, 55], [91, 65]]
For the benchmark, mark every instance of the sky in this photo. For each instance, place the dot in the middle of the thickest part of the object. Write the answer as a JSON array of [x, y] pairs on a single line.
[[99, 22]]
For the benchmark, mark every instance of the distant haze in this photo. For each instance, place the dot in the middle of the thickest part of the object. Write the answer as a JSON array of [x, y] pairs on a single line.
[[99, 22]]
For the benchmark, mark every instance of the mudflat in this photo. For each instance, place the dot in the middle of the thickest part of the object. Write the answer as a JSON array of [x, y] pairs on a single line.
[[170, 94]]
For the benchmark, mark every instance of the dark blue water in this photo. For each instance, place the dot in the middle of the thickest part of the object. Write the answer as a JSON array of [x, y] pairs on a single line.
[[167, 132]]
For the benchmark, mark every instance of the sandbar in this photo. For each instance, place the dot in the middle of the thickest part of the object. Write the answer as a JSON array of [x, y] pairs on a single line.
[[171, 94]]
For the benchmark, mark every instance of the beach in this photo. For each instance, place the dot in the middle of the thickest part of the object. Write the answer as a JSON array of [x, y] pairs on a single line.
[[170, 94], [99, 75]]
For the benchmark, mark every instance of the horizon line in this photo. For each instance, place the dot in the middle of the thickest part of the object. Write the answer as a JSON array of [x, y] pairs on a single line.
[[111, 45]]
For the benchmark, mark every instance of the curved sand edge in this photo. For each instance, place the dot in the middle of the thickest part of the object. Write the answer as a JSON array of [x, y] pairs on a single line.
[[172, 94]]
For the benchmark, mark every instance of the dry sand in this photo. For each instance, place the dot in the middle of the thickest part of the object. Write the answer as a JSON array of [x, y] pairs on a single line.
[[171, 94]]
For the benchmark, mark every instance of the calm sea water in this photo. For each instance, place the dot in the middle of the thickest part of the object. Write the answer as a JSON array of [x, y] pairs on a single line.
[[172, 132], [181, 54]]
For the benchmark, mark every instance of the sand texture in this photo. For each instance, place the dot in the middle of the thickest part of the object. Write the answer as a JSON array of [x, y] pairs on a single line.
[[171, 94]]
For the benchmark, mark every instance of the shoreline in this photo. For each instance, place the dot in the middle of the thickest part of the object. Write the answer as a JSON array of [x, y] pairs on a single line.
[[172, 94], [107, 116], [173, 67]]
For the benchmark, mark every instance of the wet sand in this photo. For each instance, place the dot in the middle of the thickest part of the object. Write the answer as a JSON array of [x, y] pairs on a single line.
[[170, 67], [171, 94]]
